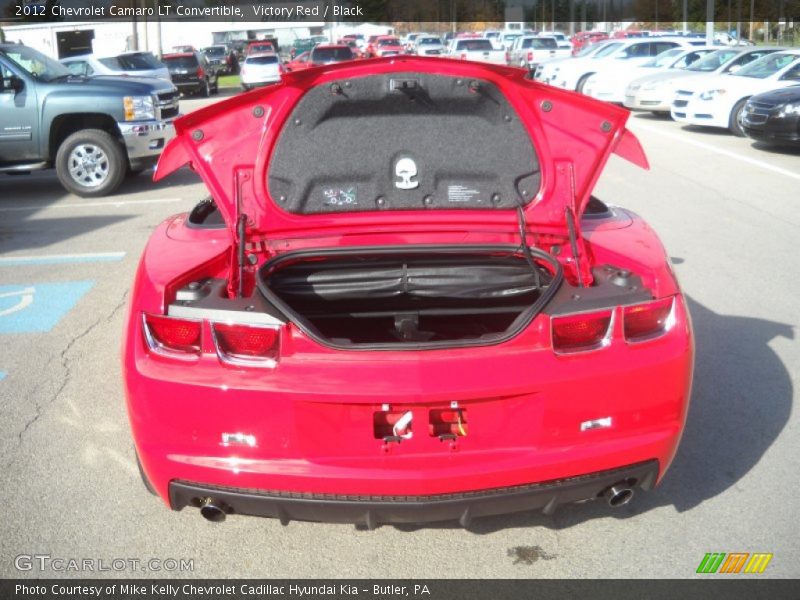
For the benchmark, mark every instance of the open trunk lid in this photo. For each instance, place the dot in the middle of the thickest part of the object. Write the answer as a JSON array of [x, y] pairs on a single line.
[[401, 143]]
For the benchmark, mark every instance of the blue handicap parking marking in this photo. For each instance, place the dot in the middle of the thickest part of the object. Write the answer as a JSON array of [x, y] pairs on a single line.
[[38, 307], [3, 375]]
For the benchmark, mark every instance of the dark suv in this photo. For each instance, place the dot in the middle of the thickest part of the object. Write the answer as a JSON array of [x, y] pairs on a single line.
[[192, 73]]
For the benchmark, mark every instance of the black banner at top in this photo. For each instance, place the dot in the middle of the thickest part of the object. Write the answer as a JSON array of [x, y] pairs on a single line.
[[785, 12]]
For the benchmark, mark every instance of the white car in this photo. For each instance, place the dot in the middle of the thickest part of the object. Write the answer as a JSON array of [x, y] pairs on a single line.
[[573, 73], [409, 40], [718, 100], [610, 82], [561, 38], [527, 51], [476, 49], [260, 69], [128, 64], [428, 45], [655, 92]]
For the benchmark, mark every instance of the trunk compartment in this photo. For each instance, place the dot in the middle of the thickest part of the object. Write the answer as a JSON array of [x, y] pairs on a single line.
[[390, 297]]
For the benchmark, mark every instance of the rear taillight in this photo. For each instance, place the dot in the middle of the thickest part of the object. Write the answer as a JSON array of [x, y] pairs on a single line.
[[241, 71], [177, 338], [646, 321], [247, 344], [463, 57], [581, 332], [200, 73], [530, 57]]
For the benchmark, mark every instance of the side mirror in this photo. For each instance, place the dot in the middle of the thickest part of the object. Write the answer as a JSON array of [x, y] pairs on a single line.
[[734, 68], [13, 85]]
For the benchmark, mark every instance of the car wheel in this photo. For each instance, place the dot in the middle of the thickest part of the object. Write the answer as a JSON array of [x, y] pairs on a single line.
[[216, 86], [735, 125], [148, 486], [245, 87], [582, 82], [91, 163], [205, 91]]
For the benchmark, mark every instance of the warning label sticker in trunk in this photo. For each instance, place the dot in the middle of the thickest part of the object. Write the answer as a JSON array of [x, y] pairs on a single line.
[[340, 196], [462, 193]]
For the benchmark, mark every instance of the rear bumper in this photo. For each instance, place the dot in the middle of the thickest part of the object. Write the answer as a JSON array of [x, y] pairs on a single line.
[[374, 510]]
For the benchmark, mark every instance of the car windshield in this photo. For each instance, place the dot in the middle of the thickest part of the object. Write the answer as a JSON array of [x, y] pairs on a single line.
[[180, 62], [767, 65], [141, 61], [713, 61], [474, 45], [429, 40], [262, 60], [331, 54], [35, 63], [608, 49], [664, 59], [215, 51]]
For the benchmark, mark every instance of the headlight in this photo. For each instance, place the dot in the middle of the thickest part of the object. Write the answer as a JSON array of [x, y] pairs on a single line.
[[790, 110], [711, 94], [139, 108]]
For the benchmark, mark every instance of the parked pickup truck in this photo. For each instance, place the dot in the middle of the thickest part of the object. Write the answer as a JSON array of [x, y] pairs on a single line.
[[94, 131], [476, 49], [529, 50]]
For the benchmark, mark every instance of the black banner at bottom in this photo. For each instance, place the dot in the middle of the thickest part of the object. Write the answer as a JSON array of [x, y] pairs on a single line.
[[366, 589]]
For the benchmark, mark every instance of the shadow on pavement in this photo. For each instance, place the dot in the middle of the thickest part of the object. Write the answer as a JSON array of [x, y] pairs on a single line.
[[784, 150], [741, 401], [22, 197]]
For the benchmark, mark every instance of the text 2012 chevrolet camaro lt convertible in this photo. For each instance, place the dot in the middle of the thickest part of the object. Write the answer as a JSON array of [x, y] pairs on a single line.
[[403, 304]]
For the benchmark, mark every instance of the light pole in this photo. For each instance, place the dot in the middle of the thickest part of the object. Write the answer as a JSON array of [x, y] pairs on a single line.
[[686, 16]]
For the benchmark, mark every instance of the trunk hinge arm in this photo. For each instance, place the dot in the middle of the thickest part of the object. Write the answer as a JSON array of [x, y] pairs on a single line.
[[239, 259], [576, 241]]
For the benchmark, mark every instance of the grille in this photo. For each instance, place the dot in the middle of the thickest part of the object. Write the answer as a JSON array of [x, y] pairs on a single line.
[[680, 103], [167, 104]]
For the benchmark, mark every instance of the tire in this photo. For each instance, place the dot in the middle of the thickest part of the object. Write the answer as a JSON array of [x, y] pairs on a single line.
[[582, 83], [205, 91], [245, 87], [91, 163], [216, 86], [735, 123], [148, 486]]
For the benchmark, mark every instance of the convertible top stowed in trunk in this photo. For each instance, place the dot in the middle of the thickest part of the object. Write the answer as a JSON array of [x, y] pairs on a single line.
[[421, 296]]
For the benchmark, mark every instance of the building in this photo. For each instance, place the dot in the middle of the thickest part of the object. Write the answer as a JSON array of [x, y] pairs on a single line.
[[62, 39]]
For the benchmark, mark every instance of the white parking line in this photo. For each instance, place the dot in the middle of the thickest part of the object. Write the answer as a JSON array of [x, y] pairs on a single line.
[[49, 259], [710, 147], [111, 203]]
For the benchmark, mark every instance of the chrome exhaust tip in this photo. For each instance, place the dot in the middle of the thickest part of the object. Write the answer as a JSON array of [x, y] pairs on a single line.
[[618, 495], [213, 510]]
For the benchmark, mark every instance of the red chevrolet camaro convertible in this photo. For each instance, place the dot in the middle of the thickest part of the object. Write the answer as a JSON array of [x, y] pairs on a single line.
[[402, 303]]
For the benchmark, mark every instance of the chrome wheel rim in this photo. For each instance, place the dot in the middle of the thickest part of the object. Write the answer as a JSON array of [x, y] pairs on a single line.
[[88, 165]]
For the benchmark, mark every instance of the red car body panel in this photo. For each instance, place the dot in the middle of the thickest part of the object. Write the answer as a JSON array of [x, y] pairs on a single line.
[[300, 62], [307, 416]]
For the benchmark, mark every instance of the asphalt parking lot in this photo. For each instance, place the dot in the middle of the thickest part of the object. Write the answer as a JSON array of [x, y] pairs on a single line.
[[729, 215]]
